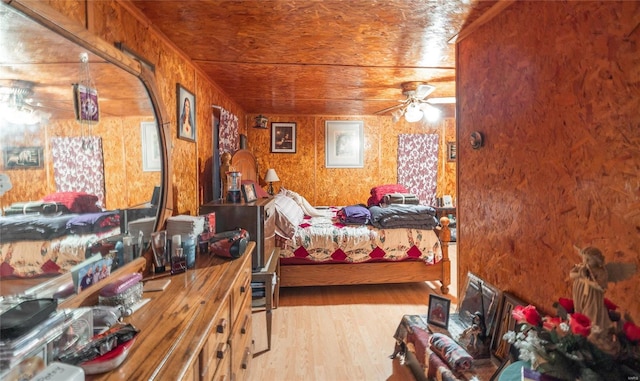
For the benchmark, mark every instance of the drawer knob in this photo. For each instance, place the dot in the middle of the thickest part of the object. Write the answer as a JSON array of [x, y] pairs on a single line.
[[222, 349], [221, 326]]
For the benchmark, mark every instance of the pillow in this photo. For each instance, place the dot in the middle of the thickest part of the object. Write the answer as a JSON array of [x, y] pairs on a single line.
[[76, 202], [377, 193], [306, 207], [288, 215], [260, 192]]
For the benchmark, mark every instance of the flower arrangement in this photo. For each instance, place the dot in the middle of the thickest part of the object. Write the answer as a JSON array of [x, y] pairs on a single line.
[[569, 347]]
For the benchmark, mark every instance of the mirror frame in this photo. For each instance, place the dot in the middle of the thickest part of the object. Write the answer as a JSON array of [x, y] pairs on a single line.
[[40, 12]]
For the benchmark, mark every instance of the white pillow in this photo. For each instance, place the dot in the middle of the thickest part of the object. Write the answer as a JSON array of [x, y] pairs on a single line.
[[288, 215], [303, 203]]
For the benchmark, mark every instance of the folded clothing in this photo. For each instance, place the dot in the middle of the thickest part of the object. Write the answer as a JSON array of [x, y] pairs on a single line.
[[354, 214], [400, 198], [377, 193], [451, 352]]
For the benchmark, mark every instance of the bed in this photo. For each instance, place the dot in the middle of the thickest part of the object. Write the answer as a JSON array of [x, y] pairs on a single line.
[[317, 249], [48, 237]]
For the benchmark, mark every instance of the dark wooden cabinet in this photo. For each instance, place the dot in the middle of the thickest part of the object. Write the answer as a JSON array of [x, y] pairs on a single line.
[[256, 217]]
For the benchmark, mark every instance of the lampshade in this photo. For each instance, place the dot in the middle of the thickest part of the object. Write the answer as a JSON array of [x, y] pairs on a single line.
[[413, 113], [271, 176]]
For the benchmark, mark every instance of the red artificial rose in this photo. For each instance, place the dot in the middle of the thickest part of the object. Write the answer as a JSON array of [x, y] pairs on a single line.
[[632, 331], [610, 305], [526, 314], [550, 323], [567, 304], [580, 324]]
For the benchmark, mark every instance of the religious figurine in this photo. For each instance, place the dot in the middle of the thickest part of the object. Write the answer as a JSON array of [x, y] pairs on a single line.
[[225, 166], [590, 279]]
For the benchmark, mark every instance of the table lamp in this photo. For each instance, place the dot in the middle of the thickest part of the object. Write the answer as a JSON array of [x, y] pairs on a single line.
[[271, 177]]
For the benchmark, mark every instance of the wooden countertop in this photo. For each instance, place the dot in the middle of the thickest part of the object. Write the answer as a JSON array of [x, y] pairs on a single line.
[[176, 322]]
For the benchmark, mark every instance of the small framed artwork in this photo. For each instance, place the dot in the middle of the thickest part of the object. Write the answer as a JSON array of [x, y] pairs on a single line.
[[186, 109], [151, 159], [438, 311], [505, 322], [22, 157], [344, 144], [283, 137], [85, 102], [451, 151], [249, 192]]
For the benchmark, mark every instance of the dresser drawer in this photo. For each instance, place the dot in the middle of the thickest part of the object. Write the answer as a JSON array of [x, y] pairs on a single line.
[[241, 291], [223, 373], [241, 342], [216, 351]]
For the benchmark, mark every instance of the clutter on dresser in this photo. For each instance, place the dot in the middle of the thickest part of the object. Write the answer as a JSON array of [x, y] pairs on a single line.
[[472, 324], [183, 231], [125, 292], [48, 333]]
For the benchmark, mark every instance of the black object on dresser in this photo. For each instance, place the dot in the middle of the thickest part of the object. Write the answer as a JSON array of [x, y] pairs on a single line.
[[256, 217]]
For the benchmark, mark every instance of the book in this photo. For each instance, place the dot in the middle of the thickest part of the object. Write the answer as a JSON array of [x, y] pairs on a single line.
[[156, 285]]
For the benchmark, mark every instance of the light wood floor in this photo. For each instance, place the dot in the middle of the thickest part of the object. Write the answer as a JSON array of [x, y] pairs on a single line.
[[337, 333]]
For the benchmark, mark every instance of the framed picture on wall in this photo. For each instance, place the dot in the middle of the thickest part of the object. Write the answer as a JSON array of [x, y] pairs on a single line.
[[186, 110], [22, 157], [451, 151], [344, 144], [283, 137], [151, 159]]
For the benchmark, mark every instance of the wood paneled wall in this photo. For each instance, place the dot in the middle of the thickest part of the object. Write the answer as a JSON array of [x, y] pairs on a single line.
[[554, 88], [305, 171], [126, 184]]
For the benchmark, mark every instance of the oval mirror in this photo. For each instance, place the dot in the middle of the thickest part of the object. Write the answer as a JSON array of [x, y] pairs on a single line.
[[82, 152]]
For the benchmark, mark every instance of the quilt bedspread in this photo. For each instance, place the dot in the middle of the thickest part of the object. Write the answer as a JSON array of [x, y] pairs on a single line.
[[325, 239]]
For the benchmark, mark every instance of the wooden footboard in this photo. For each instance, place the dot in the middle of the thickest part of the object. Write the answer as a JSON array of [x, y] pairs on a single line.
[[373, 273]]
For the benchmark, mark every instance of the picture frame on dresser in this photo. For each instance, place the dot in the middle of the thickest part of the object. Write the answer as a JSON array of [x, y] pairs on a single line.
[[500, 348], [439, 308], [249, 192]]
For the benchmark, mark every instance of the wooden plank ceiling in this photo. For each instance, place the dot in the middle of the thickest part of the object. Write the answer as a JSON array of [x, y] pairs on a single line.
[[322, 57]]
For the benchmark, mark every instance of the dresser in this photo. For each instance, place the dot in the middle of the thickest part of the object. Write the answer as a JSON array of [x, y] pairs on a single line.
[[256, 217], [198, 328]]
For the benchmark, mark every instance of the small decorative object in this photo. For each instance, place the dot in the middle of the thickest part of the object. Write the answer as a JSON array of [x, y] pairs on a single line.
[[344, 144], [233, 186], [451, 151], [86, 103], [271, 177], [261, 122], [186, 111], [249, 192], [477, 140], [22, 157], [588, 339], [283, 137], [438, 311]]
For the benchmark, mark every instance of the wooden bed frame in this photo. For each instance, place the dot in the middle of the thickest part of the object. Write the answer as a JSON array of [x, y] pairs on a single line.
[[365, 273]]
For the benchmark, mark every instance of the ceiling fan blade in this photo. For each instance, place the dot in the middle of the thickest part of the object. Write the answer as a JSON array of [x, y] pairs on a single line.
[[441, 100], [423, 90], [402, 103]]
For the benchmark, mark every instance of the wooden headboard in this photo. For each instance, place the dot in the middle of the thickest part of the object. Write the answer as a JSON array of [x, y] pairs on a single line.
[[244, 162]]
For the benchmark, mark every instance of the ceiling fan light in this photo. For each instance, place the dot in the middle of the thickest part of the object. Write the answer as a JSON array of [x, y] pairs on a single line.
[[432, 114], [413, 113]]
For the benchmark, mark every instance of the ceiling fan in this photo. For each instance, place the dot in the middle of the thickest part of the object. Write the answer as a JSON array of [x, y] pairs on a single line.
[[416, 106]]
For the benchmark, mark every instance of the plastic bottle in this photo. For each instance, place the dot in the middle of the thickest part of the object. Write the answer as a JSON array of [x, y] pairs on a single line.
[[127, 242]]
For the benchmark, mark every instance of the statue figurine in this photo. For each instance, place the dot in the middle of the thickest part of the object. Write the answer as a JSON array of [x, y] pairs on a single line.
[[225, 166], [590, 279]]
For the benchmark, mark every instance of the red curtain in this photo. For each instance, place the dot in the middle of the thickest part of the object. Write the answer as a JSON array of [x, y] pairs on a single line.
[[418, 165]]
